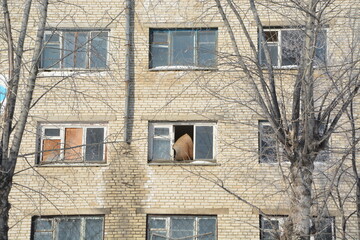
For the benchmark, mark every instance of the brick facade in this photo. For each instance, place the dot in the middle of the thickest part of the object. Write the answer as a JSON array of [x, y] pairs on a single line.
[[127, 187]]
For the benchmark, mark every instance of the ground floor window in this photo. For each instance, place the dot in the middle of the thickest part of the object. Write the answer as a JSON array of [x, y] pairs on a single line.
[[68, 228], [272, 228], [165, 227]]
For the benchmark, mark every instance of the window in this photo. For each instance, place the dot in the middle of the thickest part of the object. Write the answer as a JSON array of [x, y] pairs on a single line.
[[181, 141], [183, 47], [269, 150], [181, 227], [71, 227], [286, 45], [75, 49], [267, 143], [72, 143], [271, 228]]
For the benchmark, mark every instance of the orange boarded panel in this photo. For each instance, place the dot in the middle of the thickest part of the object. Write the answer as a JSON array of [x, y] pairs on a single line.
[[73, 140], [53, 148]]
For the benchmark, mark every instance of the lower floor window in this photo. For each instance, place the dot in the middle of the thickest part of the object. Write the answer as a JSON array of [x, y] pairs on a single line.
[[272, 228], [164, 227], [68, 227]]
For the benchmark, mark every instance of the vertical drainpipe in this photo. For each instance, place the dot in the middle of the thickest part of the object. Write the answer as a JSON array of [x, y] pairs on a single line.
[[128, 67]]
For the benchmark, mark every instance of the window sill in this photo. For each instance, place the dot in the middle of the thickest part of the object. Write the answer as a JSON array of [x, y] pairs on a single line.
[[73, 72], [184, 163], [290, 67], [46, 165], [182, 68]]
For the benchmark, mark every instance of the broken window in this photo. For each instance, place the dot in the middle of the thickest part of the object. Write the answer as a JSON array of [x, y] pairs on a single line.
[[75, 49], [69, 227], [72, 143], [271, 228], [183, 47], [181, 141], [286, 46], [181, 227]]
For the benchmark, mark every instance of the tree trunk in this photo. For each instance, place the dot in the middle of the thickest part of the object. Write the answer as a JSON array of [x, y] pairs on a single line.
[[5, 187], [301, 176]]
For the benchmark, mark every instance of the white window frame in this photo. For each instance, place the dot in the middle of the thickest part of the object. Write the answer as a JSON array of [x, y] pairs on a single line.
[[62, 128], [171, 127], [61, 33], [279, 31], [55, 220], [281, 220], [169, 46], [167, 219]]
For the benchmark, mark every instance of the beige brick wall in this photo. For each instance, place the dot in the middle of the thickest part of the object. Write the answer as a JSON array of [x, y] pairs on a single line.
[[127, 188]]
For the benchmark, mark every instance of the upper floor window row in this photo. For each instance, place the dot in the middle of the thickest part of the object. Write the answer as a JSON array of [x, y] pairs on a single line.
[[286, 46], [183, 48], [75, 49]]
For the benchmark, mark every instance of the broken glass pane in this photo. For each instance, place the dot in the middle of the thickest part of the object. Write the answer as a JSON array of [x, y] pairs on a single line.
[[204, 142]]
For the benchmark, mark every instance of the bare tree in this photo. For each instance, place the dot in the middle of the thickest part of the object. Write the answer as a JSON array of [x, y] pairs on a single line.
[[305, 116], [13, 130]]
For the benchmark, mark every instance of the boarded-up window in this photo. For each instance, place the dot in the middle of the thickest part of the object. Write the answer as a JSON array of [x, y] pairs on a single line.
[[72, 144]]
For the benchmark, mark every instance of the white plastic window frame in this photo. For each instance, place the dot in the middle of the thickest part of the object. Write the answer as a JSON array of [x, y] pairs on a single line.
[[281, 220], [171, 126], [62, 128], [169, 46], [55, 220], [61, 33], [279, 31], [168, 218]]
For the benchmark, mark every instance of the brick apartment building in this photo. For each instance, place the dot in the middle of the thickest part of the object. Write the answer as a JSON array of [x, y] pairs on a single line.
[[179, 79]]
